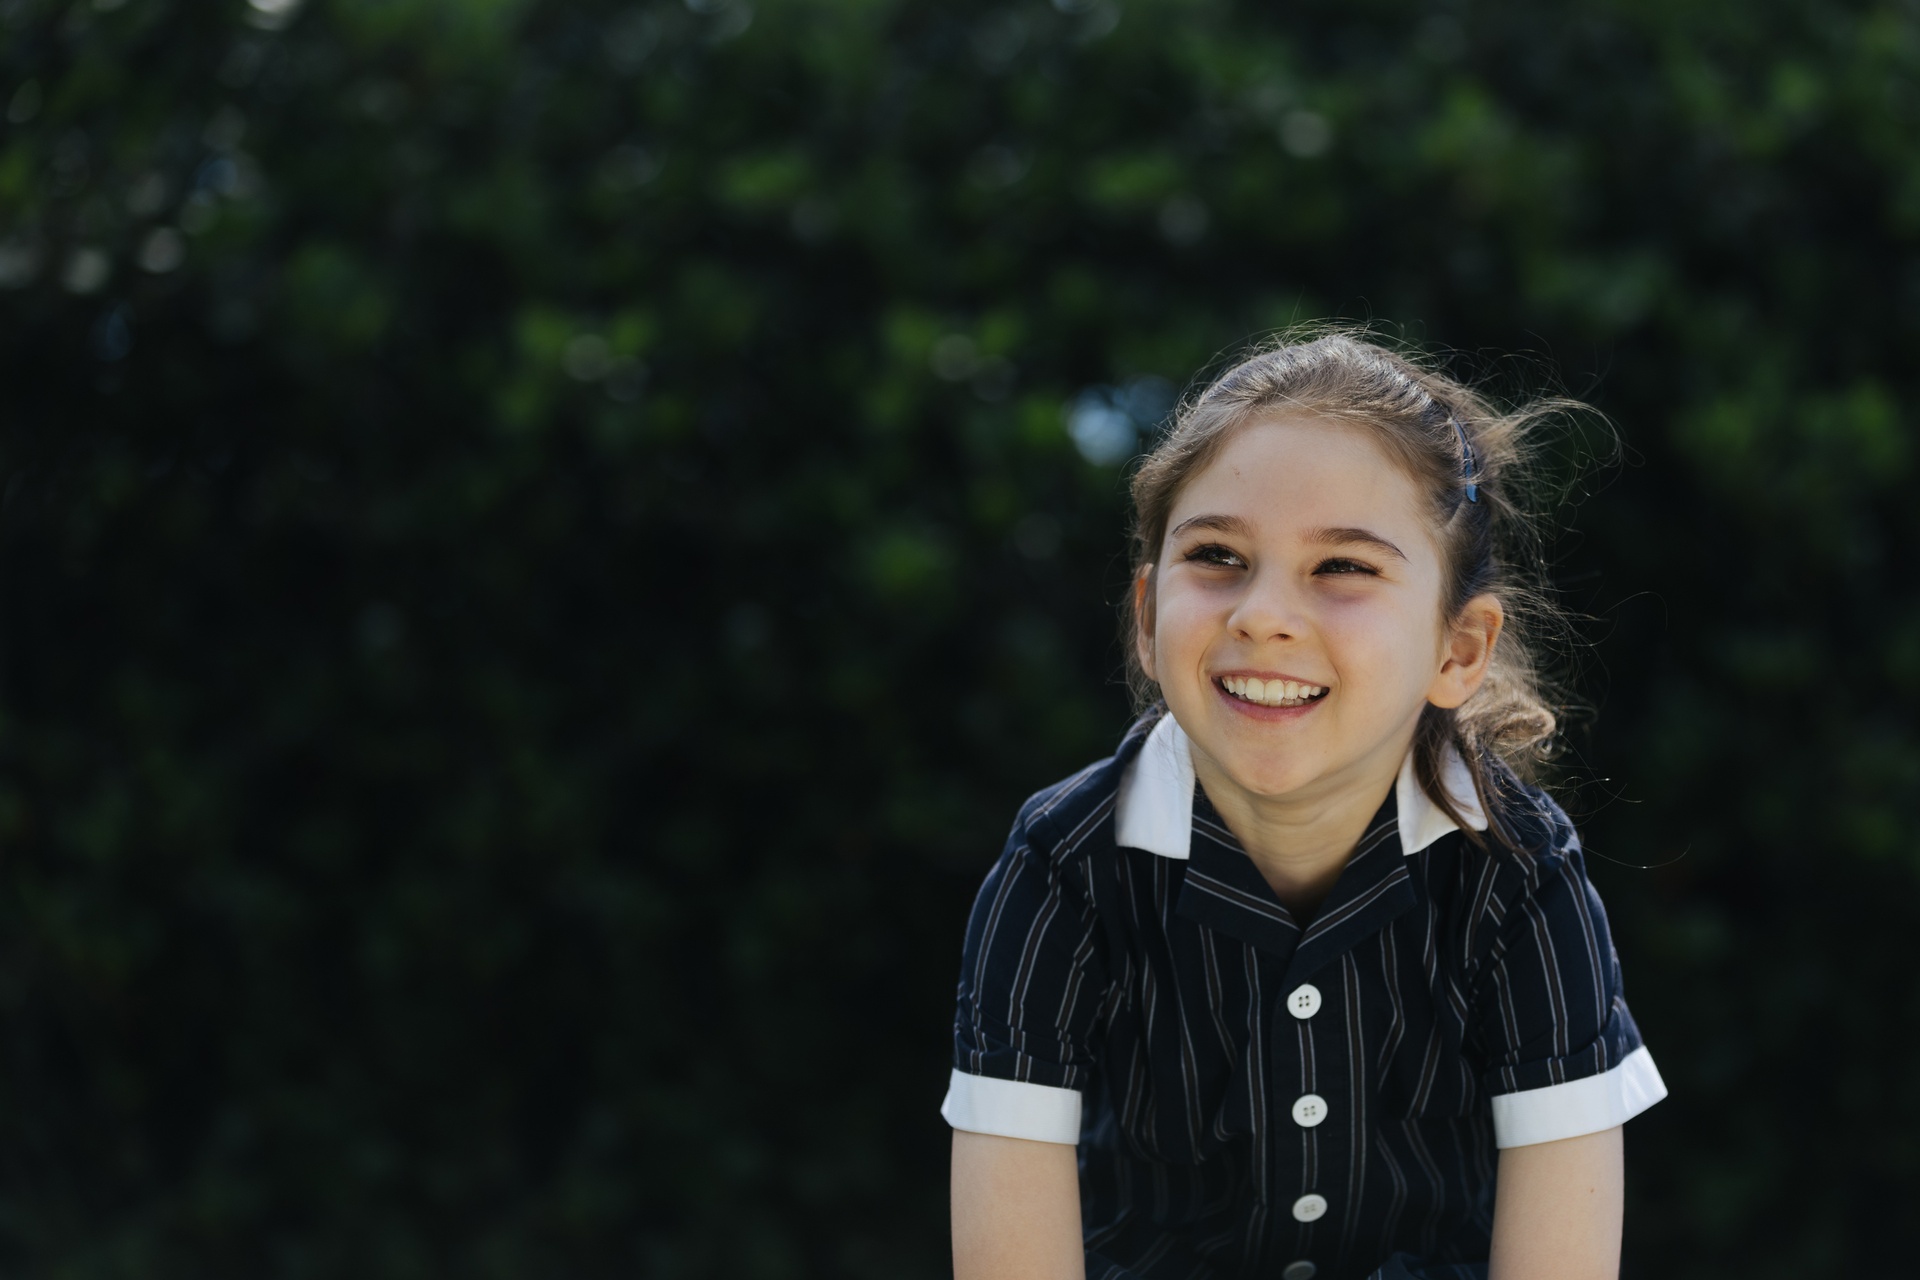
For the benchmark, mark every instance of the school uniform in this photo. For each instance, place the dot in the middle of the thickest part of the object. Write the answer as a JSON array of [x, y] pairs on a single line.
[[1257, 1095]]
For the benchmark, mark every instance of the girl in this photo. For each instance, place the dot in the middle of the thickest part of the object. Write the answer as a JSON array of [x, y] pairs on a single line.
[[1307, 980]]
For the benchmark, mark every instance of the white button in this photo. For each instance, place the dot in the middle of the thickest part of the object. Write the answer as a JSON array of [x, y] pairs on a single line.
[[1309, 1207], [1304, 1002], [1309, 1109], [1301, 1270]]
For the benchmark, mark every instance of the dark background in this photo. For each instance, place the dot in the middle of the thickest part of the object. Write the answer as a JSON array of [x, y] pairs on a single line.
[[541, 548]]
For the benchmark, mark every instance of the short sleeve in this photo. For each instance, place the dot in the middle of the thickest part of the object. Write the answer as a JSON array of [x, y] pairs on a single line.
[[1564, 1057], [1032, 982]]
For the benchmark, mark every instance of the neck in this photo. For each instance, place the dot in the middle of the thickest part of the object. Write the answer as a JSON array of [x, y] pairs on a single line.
[[1300, 843]]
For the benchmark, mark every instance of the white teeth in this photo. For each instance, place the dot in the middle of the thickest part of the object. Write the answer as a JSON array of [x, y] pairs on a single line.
[[1271, 693]]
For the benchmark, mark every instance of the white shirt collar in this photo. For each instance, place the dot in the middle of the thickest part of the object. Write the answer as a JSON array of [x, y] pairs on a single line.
[[1154, 807]]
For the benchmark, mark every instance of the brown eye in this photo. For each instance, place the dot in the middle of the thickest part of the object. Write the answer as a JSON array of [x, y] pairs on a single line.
[[1340, 565]]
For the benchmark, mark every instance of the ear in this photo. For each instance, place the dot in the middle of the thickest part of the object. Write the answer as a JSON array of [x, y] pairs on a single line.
[[1469, 652], [1143, 620]]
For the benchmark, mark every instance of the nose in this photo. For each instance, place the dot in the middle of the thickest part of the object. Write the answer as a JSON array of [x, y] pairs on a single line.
[[1268, 609]]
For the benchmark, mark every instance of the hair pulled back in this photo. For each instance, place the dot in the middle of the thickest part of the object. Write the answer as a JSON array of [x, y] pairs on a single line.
[[1488, 545]]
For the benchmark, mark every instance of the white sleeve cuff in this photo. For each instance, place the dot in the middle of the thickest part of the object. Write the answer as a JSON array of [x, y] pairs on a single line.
[[1012, 1108], [1578, 1107]]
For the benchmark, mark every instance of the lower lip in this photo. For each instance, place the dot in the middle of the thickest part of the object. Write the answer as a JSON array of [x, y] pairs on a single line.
[[1255, 711]]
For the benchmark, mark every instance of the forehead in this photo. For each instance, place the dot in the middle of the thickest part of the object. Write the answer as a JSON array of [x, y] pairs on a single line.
[[1301, 471]]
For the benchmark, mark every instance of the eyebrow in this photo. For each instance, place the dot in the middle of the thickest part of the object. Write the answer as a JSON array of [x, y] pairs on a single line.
[[1218, 524], [1348, 537]]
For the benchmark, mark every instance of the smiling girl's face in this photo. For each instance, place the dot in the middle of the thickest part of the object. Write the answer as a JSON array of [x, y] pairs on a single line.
[[1295, 627]]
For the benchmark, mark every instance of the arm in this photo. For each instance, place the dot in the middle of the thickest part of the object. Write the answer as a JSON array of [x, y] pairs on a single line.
[[1557, 1212], [1016, 1209]]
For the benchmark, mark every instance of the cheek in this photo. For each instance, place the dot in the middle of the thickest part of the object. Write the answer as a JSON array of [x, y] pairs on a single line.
[[1183, 618], [1375, 642]]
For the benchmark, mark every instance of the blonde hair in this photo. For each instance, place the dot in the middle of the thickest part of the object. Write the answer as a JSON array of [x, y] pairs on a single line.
[[1451, 441]]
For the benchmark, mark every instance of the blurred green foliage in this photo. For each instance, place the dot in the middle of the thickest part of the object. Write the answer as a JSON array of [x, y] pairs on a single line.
[[541, 547]]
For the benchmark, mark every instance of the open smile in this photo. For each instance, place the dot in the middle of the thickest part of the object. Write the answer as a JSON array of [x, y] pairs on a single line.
[[1276, 692]]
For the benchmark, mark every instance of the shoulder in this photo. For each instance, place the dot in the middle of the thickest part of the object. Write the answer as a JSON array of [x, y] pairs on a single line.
[[1542, 839], [1064, 818], [1530, 894], [1528, 862], [1045, 874]]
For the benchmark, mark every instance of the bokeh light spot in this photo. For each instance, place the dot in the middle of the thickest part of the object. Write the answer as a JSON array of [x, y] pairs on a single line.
[[162, 250], [87, 270], [1305, 134]]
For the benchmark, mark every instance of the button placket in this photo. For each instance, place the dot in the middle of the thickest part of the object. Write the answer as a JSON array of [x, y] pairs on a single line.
[[1301, 1270], [1308, 1111]]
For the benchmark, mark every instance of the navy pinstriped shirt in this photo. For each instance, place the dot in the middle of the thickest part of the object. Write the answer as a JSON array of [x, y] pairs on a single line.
[[1254, 1095]]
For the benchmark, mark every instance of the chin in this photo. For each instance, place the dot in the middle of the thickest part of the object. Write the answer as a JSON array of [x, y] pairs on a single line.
[[1262, 771], [1274, 782]]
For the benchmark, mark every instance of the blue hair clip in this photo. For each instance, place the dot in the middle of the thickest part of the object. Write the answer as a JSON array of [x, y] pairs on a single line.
[[1466, 460]]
